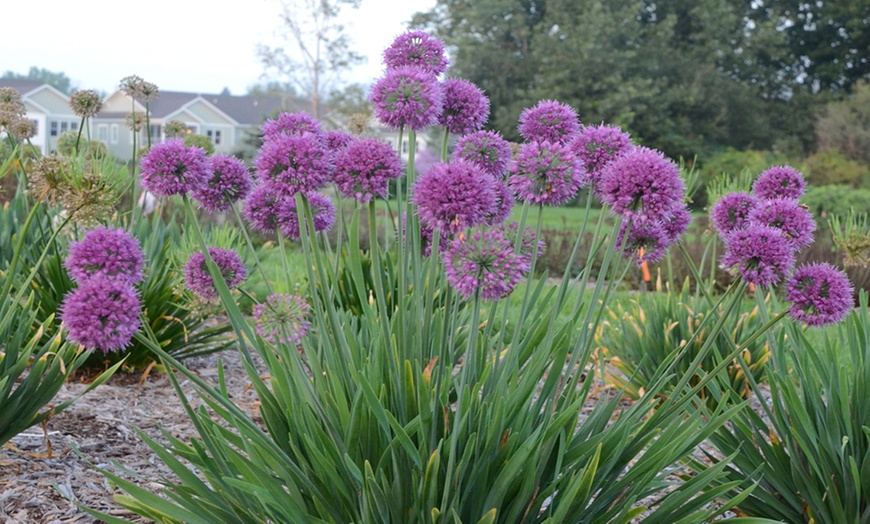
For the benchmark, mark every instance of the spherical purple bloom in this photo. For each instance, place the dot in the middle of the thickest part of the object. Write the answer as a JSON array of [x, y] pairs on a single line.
[[101, 314], [198, 278], [762, 255], [427, 236], [779, 182], [106, 252], [424, 160], [282, 318], [820, 294], [732, 212], [293, 163], [549, 121], [336, 140], [646, 241], [171, 168], [465, 108], [365, 167], [229, 182], [785, 214], [454, 196], [485, 149], [290, 124], [322, 209], [483, 262], [529, 245], [419, 49], [407, 97], [676, 224], [546, 173], [504, 204], [642, 184], [597, 146], [262, 207]]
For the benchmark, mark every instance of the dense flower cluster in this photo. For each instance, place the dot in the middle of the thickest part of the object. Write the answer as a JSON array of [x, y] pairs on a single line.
[[282, 318], [504, 204], [416, 49], [229, 182], [86, 103], [485, 149], [322, 211], [261, 208], [198, 278], [484, 262], [106, 252], [763, 256], [676, 224], [294, 163], [454, 196], [364, 168], [795, 221], [779, 182], [336, 140], [529, 246], [546, 173], [642, 184], [732, 212], [290, 124], [549, 121], [597, 146], [101, 314], [646, 240], [465, 108], [407, 97], [171, 168], [820, 294]]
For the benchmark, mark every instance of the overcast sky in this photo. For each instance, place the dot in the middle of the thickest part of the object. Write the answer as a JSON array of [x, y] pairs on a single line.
[[180, 45]]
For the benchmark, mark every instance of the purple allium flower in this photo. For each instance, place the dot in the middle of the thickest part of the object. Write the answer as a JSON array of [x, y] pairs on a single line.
[[785, 214], [424, 160], [101, 314], [290, 124], [647, 240], [549, 121], [322, 209], [336, 140], [779, 182], [407, 97], [365, 167], [198, 278], [820, 294], [546, 173], [528, 247], [419, 49], [454, 196], [642, 184], [465, 108], [676, 224], [504, 204], [282, 318], [230, 181], [262, 207], [596, 146], [485, 149], [171, 168], [731, 212], [762, 254], [293, 163], [109, 253], [483, 261]]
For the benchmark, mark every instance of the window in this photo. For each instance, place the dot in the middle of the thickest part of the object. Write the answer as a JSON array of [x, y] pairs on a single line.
[[64, 127], [74, 126], [114, 131], [103, 133], [214, 136], [154, 131], [54, 126]]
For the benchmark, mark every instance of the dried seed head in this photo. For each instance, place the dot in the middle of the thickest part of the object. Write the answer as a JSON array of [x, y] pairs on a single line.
[[86, 103]]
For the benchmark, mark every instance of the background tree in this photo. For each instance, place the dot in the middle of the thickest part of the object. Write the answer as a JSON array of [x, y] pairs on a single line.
[[58, 80], [317, 48]]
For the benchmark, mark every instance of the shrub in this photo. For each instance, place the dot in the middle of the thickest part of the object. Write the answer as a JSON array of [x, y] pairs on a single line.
[[200, 141], [825, 201], [831, 167]]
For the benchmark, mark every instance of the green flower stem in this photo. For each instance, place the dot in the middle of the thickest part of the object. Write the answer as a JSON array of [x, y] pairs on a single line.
[[377, 269], [79, 136], [251, 248], [148, 123], [285, 267], [444, 143], [434, 266]]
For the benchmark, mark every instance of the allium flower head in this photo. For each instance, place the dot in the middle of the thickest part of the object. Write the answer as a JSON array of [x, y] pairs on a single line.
[[336, 140], [546, 173], [504, 204], [282, 318], [171, 168], [131, 85], [785, 214], [732, 212], [485, 149], [364, 168], [407, 97], [820, 294], [779, 182], [418, 49], [290, 124], [762, 255], [549, 121], [22, 129], [465, 108], [262, 207], [483, 262], [101, 314], [676, 224], [229, 182], [86, 103], [322, 210], [294, 163], [174, 129], [529, 245], [596, 146], [647, 240], [454, 196], [642, 184], [9, 95], [106, 252], [135, 121], [198, 278]]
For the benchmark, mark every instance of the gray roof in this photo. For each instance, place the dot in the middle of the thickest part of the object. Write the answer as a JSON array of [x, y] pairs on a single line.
[[246, 110], [22, 86]]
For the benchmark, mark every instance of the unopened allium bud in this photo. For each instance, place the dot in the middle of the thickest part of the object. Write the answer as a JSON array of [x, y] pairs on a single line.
[[135, 121], [86, 103], [22, 129]]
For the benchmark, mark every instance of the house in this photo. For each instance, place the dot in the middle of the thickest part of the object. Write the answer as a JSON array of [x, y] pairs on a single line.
[[48, 107]]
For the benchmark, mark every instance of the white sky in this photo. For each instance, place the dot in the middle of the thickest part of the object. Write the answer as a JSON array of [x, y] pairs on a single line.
[[180, 45]]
